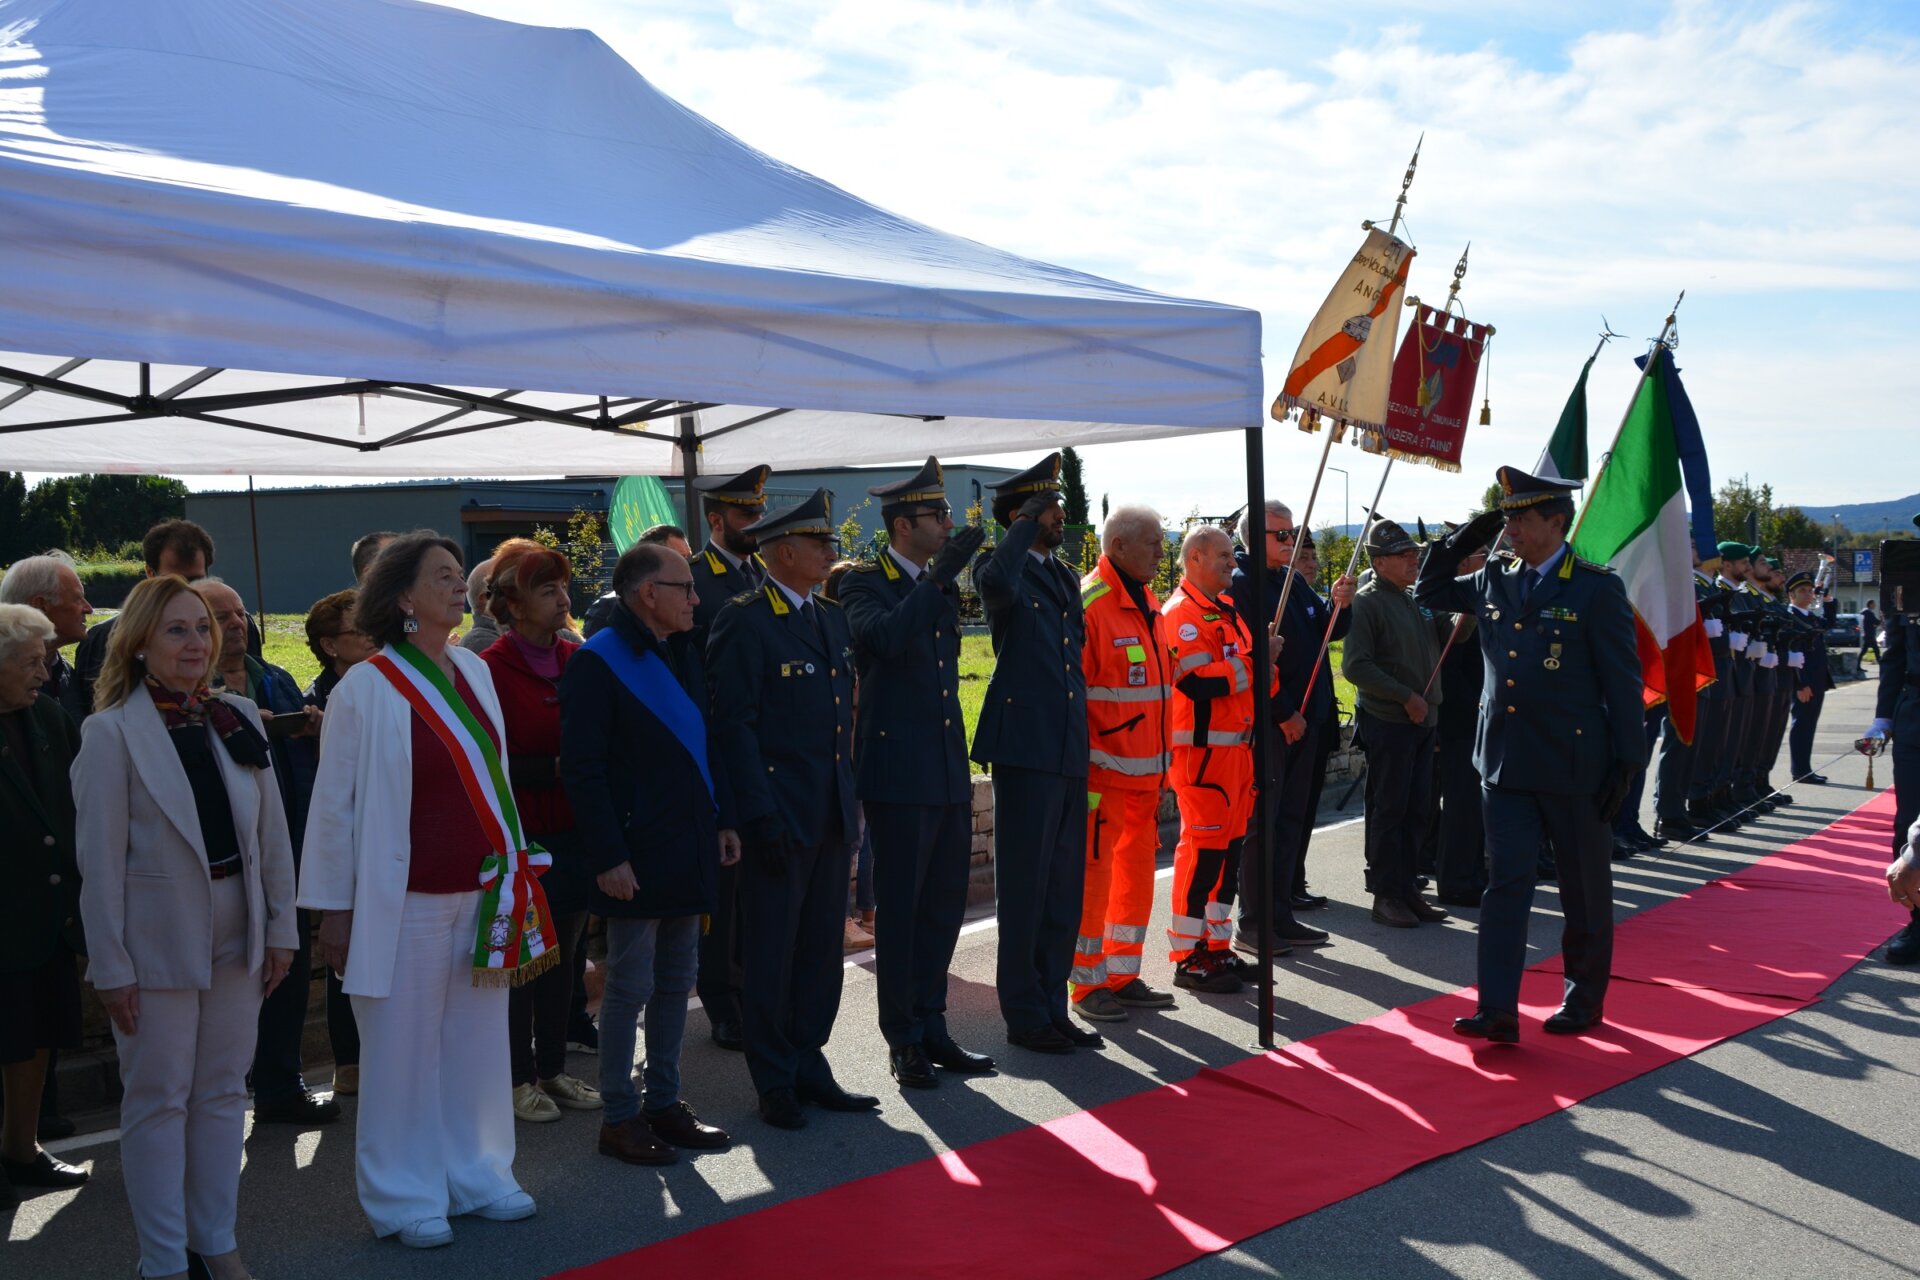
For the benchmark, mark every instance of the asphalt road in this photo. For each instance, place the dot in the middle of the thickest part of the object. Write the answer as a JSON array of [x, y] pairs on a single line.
[[1783, 1152]]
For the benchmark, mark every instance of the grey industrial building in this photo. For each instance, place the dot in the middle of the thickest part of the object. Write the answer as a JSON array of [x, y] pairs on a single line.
[[305, 534]]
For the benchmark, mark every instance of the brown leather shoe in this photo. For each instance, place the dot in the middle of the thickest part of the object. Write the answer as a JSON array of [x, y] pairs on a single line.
[[1425, 912], [1394, 913], [633, 1141], [681, 1127]]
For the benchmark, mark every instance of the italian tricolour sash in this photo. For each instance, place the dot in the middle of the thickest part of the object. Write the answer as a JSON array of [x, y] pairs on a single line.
[[513, 945]]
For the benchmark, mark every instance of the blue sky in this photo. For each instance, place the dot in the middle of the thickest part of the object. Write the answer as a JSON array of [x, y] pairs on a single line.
[[1600, 158]]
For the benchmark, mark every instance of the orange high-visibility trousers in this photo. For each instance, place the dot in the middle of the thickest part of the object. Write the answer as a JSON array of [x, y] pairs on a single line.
[[1123, 834], [1214, 787]]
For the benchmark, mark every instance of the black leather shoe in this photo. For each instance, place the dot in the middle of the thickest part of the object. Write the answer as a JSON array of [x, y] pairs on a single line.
[[302, 1109], [911, 1067], [829, 1096], [1647, 840], [1047, 1039], [1623, 848], [727, 1034], [1905, 947], [1081, 1037], [1309, 901], [951, 1057], [1813, 779], [42, 1171], [1675, 829], [1487, 1024], [1425, 912], [1570, 1022], [781, 1109], [1780, 800]]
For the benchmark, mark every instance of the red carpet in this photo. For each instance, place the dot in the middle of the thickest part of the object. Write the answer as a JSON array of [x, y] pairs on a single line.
[[1351, 1108]]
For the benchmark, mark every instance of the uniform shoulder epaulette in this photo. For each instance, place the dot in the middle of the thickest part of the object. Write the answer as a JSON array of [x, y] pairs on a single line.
[[745, 597], [866, 566], [1589, 564]]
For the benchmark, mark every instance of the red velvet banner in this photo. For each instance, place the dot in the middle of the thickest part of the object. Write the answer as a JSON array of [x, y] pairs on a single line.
[[1432, 389]]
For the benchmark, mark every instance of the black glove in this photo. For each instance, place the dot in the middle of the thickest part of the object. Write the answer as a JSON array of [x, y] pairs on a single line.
[[957, 554], [1476, 533], [1614, 794], [766, 845], [1034, 506]]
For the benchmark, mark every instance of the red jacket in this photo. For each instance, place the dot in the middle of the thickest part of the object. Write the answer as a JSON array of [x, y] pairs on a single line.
[[531, 706]]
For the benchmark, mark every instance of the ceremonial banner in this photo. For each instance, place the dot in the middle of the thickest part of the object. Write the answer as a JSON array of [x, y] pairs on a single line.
[[639, 503], [1636, 521], [1432, 391], [1344, 361]]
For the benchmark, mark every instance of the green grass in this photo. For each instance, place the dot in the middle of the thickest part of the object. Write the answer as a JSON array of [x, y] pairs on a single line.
[[285, 643]]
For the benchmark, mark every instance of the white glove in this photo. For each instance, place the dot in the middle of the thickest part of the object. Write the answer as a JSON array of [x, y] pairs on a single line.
[[1796, 660], [1714, 628], [1768, 661], [1879, 728], [1737, 641]]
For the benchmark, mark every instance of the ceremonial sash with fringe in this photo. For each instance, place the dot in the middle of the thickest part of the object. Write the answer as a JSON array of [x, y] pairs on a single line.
[[514, 944]]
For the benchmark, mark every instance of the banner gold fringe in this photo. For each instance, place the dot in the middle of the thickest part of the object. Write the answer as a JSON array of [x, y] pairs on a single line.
[[1438, 464], [520, 975]]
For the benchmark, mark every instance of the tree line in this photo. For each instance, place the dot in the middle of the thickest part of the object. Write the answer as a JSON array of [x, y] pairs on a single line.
[[94, 517]]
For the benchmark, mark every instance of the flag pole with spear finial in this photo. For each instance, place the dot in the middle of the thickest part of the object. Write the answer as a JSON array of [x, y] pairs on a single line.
[[1646, 371]]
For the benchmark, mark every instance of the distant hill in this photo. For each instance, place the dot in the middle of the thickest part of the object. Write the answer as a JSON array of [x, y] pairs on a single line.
[[1865, 517]]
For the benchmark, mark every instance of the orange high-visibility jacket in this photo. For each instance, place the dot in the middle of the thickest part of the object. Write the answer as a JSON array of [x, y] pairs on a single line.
[[1128, 685], [1212, 680]]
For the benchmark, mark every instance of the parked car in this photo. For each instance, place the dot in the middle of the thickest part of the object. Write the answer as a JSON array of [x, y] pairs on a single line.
[[1844, 631]]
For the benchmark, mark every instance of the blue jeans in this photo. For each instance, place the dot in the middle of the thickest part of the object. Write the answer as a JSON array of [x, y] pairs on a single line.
[[650, 966]]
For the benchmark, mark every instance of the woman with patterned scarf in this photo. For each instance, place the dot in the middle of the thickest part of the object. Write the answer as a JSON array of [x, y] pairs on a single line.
[[187, 902], [432, 910]]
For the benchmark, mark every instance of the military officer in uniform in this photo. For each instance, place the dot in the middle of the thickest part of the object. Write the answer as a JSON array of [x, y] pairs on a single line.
[[1729, 783], [1559, 741], [914, 781], [1896, 713], [1812, 677], [728, 566], [780, 666], [1033, 736], [1679, 809]]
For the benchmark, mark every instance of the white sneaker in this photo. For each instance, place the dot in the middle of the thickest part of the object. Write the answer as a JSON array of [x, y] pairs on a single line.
[[572, 1093], [508, 1208], [533, 1106], [428, 1233]]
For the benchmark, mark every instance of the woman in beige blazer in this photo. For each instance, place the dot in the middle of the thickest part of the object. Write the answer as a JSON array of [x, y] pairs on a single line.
[[187, 903]]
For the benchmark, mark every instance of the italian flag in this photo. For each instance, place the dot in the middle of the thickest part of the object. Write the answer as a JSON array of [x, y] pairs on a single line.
[[1635, 520], [1566, 454]]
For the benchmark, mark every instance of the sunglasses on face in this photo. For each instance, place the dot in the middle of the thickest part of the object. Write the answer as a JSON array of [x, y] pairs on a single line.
[[1284, 536]]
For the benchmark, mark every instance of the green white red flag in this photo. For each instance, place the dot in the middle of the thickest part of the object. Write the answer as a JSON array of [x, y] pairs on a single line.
[[1565, 457], [1635, 520]]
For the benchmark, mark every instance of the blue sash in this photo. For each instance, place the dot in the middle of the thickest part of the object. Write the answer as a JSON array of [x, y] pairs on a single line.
[[648, 679]]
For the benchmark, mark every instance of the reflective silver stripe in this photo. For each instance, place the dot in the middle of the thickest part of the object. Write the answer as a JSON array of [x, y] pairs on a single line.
[[1200, 658], [1220, 930], [1214, 738], [1146, 693], [1186, 927], [1124, 933], [1085, 976], [1218, 911], [1089, 946], [1132, 766], [1123, 964], [1239, 674]]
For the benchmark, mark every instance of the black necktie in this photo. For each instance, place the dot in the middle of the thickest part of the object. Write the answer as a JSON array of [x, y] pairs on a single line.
[[1527, 582], [810, 612]]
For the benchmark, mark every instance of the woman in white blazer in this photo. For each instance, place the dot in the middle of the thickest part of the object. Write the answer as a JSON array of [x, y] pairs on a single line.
[[187, 903], [404, 822]]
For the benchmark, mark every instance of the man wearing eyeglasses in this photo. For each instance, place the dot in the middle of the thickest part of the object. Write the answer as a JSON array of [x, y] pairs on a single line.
[[1307, 721], [913, 777], [780, 667]]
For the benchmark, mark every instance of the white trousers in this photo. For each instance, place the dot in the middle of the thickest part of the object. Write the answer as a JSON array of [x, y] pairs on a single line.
[[435, 1132], [184, 1113]]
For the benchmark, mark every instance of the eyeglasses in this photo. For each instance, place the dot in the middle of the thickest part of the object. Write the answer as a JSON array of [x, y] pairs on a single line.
[[1284, 535], [686, 586], [939, 511]]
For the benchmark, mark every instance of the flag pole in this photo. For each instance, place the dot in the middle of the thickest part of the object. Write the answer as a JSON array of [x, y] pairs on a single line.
[[1305, 524], [1646, 371]]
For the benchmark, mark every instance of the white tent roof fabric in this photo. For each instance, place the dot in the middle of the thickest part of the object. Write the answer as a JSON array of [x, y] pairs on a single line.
[[496, 216]]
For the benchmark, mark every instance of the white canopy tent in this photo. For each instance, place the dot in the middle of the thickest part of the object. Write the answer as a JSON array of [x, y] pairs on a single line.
[[383, 237]]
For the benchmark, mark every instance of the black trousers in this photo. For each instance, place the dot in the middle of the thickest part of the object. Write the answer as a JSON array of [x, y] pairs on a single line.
[[538, 1011], [922, 858], [1039, 872], [1726, 771], [1777, 724], [1316, 749], [1287, 790], [1806, 722], [1709, 736], [343, 1033], [792, 923], [1399, 778], [282, 1026], [1517, 822], [1460, 858], [721, 964]]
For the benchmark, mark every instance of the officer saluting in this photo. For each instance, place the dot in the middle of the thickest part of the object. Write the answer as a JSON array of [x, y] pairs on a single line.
[[727, 566], [779, 663], [1812, 677], [914, 780], [1559, 741], [1033, 734]]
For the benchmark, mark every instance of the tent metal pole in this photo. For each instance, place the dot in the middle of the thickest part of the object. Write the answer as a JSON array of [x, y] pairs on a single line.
[[259, 592], [689, 469], [1262, 665]]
